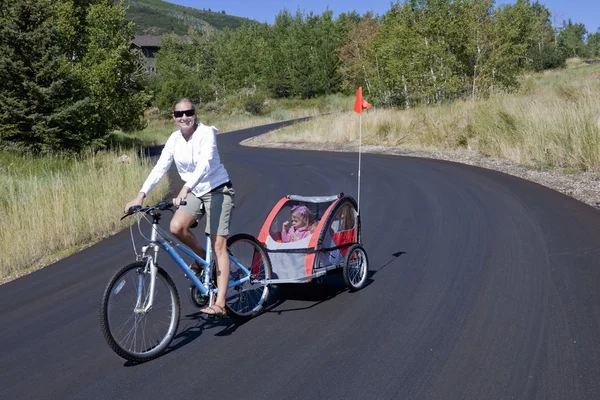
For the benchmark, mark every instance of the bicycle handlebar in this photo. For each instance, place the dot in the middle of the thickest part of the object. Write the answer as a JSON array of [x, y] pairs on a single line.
[[161, 205]]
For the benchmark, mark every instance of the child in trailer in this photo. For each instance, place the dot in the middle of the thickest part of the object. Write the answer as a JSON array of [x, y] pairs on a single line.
[[302, 225]]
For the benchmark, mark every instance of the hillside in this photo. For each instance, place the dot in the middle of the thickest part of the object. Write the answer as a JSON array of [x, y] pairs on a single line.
[[157, 17]]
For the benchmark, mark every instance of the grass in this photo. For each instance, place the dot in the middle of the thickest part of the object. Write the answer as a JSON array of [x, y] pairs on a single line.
[[552, 123], [229, 115], [53, 206]]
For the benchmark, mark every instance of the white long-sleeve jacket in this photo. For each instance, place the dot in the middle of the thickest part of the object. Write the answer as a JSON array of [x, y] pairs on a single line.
[[197, 161]]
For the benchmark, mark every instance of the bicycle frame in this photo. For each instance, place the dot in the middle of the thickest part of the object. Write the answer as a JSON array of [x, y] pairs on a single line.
[[161, 239]]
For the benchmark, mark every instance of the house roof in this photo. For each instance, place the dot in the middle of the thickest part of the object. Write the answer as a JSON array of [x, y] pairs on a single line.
[[146, 41], [152, 41]]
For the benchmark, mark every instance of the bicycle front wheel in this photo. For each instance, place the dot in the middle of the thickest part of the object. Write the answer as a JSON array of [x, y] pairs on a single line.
[[247, 300], [132, 329]]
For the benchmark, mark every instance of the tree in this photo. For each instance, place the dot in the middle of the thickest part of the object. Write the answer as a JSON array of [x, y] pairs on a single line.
[[66, 73], [422, 52], [593, 44], [571, 40], [304, 59], [34, 76], [480, 46], [280, 70], [543, 53], [112, 74], [357, 55], [242, 58], [323, 37], [511, 38], [398, 50], [185, 69]]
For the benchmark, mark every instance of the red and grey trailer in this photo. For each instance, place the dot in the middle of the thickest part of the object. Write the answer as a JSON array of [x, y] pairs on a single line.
[[334, 241]]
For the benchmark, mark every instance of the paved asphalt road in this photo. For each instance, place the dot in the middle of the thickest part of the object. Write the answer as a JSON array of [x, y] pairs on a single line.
[[483, 286]]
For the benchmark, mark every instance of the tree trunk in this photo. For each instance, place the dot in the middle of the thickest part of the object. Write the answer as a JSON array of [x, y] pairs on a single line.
[[405, 92]]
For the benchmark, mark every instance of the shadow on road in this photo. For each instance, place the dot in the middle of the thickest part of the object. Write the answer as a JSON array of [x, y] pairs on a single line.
[[195, 324], [318, 290], [373, 272], [394, 258], [315, 292]]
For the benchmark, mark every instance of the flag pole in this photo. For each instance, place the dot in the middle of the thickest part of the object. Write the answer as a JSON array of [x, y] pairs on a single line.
[[359, 105], [359, 159]]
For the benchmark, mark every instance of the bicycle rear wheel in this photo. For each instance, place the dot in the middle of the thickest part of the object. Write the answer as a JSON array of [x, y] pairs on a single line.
[[248, 300], [132, 332]]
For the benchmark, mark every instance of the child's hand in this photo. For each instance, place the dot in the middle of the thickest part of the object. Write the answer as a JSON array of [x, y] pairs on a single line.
[[285, 225]]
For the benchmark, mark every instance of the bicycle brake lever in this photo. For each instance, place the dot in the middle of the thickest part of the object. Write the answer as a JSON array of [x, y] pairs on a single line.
[[164, 205], [131, 211]]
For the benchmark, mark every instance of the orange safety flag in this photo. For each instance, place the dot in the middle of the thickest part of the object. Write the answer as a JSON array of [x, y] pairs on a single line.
[[360, 103]]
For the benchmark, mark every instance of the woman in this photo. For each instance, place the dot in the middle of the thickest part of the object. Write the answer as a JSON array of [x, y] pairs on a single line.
[[193, 148]]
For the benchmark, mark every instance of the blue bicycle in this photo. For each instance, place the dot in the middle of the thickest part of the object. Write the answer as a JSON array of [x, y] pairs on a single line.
[[140, 307]]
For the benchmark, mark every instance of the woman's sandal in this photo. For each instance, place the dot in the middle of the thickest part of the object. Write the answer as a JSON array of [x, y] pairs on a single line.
[[214, 311]]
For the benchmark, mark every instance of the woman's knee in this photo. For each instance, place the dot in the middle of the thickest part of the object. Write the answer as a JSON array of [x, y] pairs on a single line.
[[220, 245], [177, 227]]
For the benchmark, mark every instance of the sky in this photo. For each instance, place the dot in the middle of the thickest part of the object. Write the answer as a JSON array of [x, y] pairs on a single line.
[[580, 11]]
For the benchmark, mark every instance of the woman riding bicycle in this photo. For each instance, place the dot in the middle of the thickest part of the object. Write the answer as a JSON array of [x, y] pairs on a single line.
[[194, 149]]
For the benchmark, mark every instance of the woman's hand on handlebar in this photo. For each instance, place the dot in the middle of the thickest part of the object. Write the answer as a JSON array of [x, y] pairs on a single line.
[[180, 199], [135, 202], [178, 202]]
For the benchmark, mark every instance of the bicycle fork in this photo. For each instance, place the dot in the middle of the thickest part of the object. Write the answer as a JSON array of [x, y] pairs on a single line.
[[143, 305]]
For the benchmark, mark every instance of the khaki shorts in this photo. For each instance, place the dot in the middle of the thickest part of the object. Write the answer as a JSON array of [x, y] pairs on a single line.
[[218, 204]]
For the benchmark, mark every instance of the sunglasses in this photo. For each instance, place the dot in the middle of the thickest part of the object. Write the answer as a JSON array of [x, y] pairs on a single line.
[[179, 114]]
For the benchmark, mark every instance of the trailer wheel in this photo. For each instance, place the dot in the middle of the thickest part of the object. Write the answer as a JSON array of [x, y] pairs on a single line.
[[356, 268]]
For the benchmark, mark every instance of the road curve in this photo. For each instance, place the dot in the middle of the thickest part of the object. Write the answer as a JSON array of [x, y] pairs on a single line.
[[483, 286]]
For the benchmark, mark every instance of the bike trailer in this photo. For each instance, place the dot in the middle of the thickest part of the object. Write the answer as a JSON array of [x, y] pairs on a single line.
[[335, 228]]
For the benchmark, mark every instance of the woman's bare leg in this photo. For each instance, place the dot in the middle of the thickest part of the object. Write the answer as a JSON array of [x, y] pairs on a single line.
[[180, 228], [219, 244]]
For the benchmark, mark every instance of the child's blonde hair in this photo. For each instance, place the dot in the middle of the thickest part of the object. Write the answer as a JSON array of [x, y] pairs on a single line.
[[304, 213]]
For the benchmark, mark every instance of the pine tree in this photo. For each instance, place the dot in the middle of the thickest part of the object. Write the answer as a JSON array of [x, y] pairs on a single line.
[[34, 76], [67, 75]]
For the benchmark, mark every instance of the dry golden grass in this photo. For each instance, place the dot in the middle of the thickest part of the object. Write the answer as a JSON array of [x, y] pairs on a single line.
[[554, 122], [233, 123], [158, 130], [232, 118], [52, 207]]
